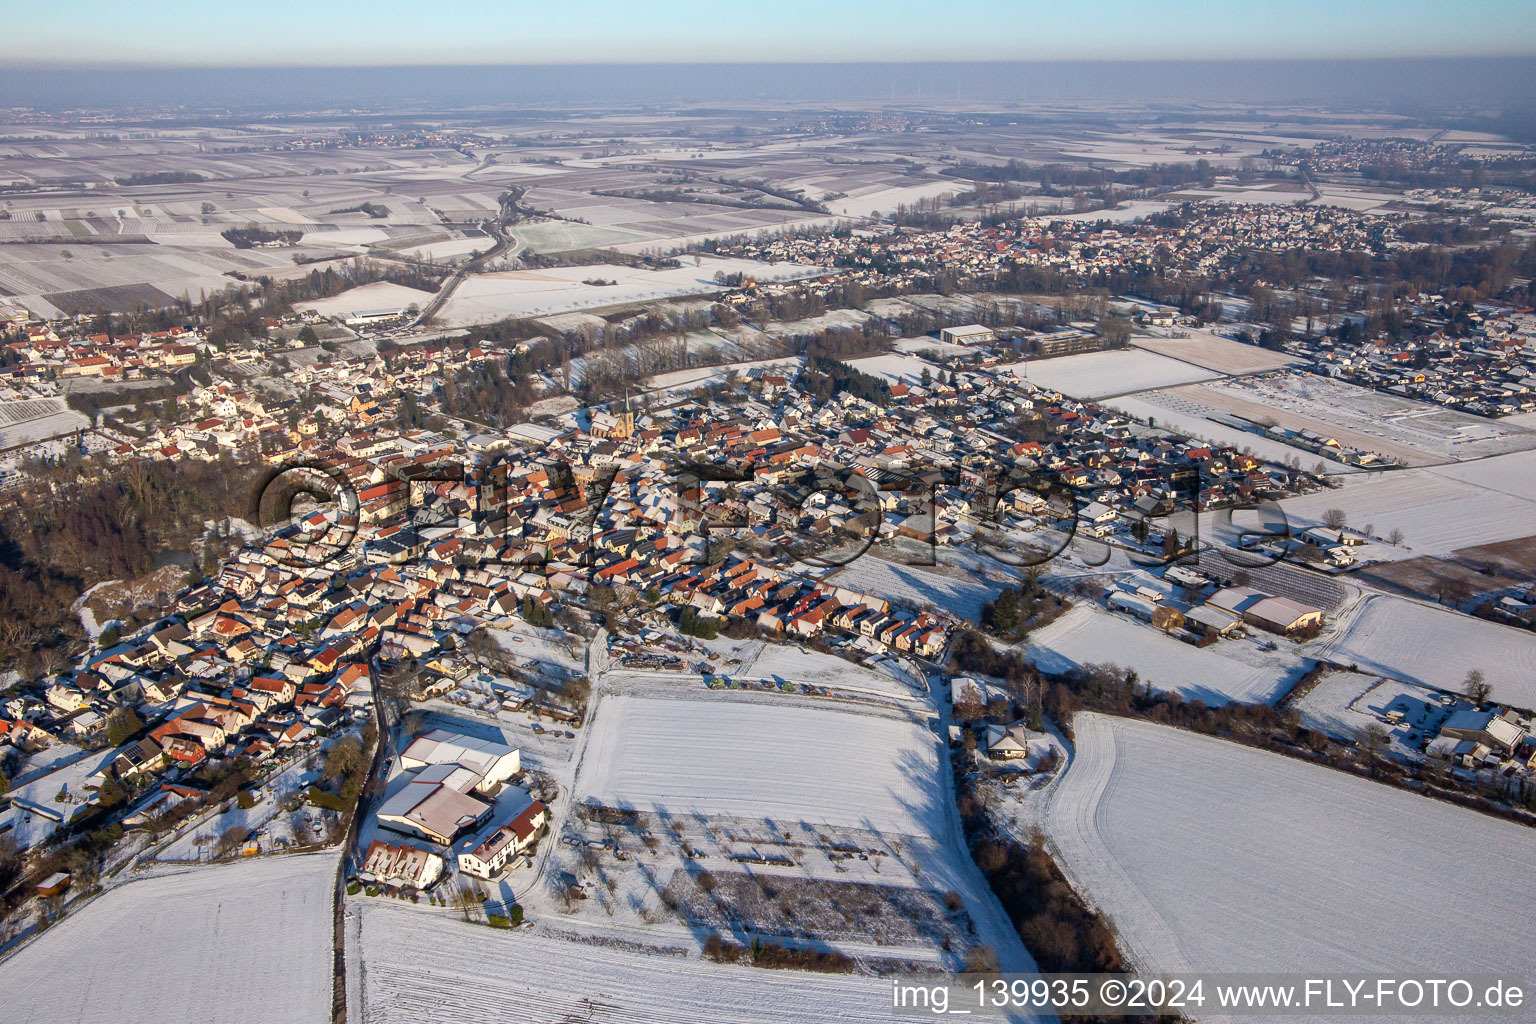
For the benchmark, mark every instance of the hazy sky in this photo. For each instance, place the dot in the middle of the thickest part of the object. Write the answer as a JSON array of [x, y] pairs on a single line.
[[199, 33]]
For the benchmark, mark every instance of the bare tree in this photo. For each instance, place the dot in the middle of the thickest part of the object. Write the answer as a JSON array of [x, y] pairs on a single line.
[[1371, 740], [1477, 688], [1335, 518], [1395, 537]]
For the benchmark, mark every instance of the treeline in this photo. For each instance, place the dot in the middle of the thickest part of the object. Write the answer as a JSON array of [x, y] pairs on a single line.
[[484, 392], [1076, 176], [161, 178], [371, 209], [1506, 173], [822, 377], [73, 526], [240, 311], [252, 235]]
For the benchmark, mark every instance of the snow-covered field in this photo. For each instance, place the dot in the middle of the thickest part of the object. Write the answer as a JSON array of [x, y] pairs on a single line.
[[236, 943], [720, 757], [1212, 351], [781, 661], [1099, 374], [428, 969], [379, 295], [895, 367], [1087, 634], [486, 297], [1212, 856], [1425, 644], [1177, 411], [915, 587], [1438, 509], [1410, 431], [27, 420]]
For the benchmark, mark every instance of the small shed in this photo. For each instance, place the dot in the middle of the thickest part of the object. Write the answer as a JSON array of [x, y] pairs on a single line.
[[54, 884]]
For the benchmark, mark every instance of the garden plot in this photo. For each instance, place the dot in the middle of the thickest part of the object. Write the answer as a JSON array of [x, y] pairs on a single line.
[[1101, 374], [685, 757], [531, 645], [276, 827], [425, 969], [1232, 670], [227, 944], [1210, 856], [1425, 644], [61, 793], [29, 420]]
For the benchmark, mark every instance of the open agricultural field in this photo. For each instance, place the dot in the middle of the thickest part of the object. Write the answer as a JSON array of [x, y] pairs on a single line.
[[257, 933], [119, 245], [1207, 855], [55, 280], [1233, 670], [422, 969], [1408, 431], [494, 296], [1439, 509], [1425, 644], [685, 757], [1101, 374], [1213, 352], [378, 295]]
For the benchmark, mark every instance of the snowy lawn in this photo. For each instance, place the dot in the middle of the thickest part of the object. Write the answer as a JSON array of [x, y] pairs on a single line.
[[245, 942], [681, 757], [1212, 856]]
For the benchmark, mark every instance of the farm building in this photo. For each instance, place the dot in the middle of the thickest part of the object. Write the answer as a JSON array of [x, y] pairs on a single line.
[[436, 804], [1282, 615], [1276, 614], [1484, 727], [970, 334], [1212, 621], [494, 763]]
